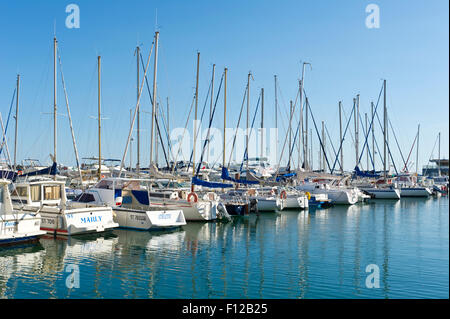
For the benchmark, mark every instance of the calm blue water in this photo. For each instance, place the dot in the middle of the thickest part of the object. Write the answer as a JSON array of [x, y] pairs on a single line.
[[315, 254]]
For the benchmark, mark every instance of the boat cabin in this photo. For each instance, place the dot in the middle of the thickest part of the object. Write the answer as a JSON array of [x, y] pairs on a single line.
[[38, 193]]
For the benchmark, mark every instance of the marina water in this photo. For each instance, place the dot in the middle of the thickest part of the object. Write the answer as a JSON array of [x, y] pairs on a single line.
[[320, 253]]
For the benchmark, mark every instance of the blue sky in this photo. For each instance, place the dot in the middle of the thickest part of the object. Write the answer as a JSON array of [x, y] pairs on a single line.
[[410, 50]]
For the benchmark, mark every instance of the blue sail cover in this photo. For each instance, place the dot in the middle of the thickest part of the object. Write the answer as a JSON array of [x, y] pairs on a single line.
[[52, 170], [358, 172], [8, 174], [198, 181], [226, 176], [285, 175]]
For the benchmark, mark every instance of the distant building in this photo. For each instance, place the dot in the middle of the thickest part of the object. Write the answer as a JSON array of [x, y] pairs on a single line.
[[439, 166]]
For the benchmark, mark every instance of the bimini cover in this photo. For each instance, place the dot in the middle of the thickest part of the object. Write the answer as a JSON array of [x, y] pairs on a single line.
[[358, 172], [198, 181], [226, 176]]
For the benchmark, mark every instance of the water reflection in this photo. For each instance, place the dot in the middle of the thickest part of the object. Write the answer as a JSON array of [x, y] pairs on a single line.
[[316, 253]]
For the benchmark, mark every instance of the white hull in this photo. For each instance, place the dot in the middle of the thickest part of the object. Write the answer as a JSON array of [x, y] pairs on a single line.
[[339, 197], [148, 220], [269, 204], [25, 228], [296, 202], [415, 192], [77, 221], [199, 211], [379, 193]]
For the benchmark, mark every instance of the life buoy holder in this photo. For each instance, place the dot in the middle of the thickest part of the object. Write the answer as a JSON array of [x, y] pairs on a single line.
[[192, 197], [283, 195], [308, 195]]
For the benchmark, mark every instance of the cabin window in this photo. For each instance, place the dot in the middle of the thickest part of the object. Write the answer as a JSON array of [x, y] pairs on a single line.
[[85, 198], [52, 192], [35, 192], [1, 195], [104, 184], [20, 191]]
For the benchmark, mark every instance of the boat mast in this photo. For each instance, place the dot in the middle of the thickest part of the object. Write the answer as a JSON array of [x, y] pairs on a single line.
[[384, 129], [195, 118], [439, 154], [224, 117], [340, 137], [373, 137], [302, 132], [55, 42], [356, 100], [323, 149], [262, 123], [305, 160], [17, 119], [99, 173], [157, 134], [168, 132], [138, 52], [311, 166], [276, 116], [211, 103], [367, 149], [248, 110], [290, 133], [154, 98], [417, 150]]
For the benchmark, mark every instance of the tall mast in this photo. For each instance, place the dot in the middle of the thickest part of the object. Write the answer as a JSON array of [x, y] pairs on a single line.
[[276, 116], [131, 141], [17, 120], [417, 150], [384, 129], [305, 160], [138, 142], [55, 43], [323, 149], [367, 149], [439, 153], [373, 137], [311, 151], [290, 132], [357, 130], [340, 137], [224, 116], [300, 133], [168, 131], [262, 123], [248, 114], [156, 134], [195, 119], [154, 98], [99, 122], [211, 102]]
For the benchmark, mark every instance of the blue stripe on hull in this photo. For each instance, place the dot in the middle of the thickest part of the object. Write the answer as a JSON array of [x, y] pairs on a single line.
[[13, 241]]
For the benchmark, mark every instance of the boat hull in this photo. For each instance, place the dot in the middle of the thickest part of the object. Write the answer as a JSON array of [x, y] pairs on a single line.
[[296, 202], [24, 229], [78, 221], [378, 193], [415, 192], [148, 220]]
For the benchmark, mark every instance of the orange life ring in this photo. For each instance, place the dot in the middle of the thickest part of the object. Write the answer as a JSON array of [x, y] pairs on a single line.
[[192, 195], [283, 195]]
